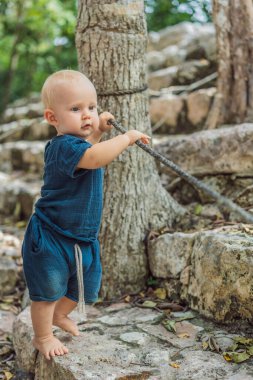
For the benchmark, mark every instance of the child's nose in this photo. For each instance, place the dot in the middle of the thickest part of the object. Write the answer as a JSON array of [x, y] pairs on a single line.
[[86, 115]]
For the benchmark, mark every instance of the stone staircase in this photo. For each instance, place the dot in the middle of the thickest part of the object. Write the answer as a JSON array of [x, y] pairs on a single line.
[[210, 269], [206, 261]]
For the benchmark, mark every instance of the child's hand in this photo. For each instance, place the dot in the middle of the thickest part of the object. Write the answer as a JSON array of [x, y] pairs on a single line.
[[103, 119], [134, 135]]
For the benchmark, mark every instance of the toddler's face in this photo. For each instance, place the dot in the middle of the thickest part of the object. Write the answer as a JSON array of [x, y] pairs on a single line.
[[75, 108]]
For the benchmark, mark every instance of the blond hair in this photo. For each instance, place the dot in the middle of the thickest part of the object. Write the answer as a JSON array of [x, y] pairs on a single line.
[[59, 77]]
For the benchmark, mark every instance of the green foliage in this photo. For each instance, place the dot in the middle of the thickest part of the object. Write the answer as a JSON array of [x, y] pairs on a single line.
[[36, 38], [162, 13]]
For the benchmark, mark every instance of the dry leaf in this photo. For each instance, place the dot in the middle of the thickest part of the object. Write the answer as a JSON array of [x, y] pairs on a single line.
[[174, 365], [237, 357], [183, 335], [4, 306], [8, 375], [127, 299], [160, 293], [226, 357]]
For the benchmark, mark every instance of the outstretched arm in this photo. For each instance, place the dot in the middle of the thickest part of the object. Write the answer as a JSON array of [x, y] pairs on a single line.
[[103, 153]]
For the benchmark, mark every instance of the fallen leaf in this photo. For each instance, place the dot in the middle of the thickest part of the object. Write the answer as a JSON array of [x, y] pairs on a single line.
[[8, 375], [170, 325], [160, 293], [183, 335], [205, 345], [198, 209], [149, 304], [174, 365], [127, 299], [250, 350], [226, 357], [5, 307], [181, 316], [243, 340], [237, 357]]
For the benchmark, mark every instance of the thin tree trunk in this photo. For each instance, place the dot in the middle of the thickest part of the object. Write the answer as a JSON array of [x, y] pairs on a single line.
[[234, 29], [111, 42]]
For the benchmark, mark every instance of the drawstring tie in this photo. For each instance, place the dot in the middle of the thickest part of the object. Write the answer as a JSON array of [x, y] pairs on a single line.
[[79, 270]]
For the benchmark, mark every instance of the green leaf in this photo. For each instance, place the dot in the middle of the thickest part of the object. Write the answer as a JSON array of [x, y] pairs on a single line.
[[198, 209], [237, 357], [250, 350], [181, 316], [149, 304], [170, 325], [243, 340]]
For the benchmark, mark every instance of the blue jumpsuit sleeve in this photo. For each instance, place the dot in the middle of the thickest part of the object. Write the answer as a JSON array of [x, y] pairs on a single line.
[[68, 155]]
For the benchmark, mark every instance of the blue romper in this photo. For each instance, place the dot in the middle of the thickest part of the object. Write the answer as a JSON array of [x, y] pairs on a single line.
[[68, 214]]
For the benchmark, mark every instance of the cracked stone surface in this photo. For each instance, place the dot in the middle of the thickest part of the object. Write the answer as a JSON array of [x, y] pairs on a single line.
[[124, 342]]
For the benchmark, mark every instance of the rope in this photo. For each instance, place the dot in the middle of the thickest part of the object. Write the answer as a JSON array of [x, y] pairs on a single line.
[[123, 92], [79, 270], [221, 200]]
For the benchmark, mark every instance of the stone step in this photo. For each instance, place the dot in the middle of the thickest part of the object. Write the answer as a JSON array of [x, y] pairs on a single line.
[[26, 129], [31, 110], [226, 150], [123, 342], [212, 270], [10, 261], [18, 193], [22, 155], [186, 113]]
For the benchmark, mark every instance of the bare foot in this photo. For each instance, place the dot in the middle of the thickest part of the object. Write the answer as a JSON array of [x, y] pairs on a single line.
[[66, 324], [50, 346]]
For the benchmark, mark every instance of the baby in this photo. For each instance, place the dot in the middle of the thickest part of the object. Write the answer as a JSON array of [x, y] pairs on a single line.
[[61, 254]]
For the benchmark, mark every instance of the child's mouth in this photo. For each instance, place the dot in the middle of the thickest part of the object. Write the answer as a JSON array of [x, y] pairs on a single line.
[[86, 126]]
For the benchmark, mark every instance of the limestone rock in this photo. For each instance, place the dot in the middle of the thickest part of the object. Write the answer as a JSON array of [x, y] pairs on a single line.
[[141, 349], [224, 150], [171, 35], [8, 275], [212, 270], [198, 104], [162, 78], [221, 282], [10, 248], [193, 70], [22, 155], [26, 129], [30, 111], [184, 73], [17, 198], [168, 108], [169, 254]]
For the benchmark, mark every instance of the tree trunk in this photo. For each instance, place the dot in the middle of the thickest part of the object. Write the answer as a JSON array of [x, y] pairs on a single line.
[[111, 42], [234, 29]]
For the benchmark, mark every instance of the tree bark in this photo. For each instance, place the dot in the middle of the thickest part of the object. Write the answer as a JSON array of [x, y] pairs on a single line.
[[233, 20], [111, 42]]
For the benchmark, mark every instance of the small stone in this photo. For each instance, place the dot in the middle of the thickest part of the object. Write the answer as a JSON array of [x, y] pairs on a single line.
[[134, 337]]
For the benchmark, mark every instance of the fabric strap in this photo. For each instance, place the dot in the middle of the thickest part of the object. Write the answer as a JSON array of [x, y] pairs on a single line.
[[79, 270]]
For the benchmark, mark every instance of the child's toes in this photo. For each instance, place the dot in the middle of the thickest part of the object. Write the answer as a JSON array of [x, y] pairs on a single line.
[[57, 351], [52, 353]]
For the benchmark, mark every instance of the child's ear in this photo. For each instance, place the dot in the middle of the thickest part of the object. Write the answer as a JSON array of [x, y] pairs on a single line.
[[50, 117]]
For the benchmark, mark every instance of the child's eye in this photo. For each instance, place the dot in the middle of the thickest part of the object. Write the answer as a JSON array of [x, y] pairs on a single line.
[[92, 108], [75, 109]]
